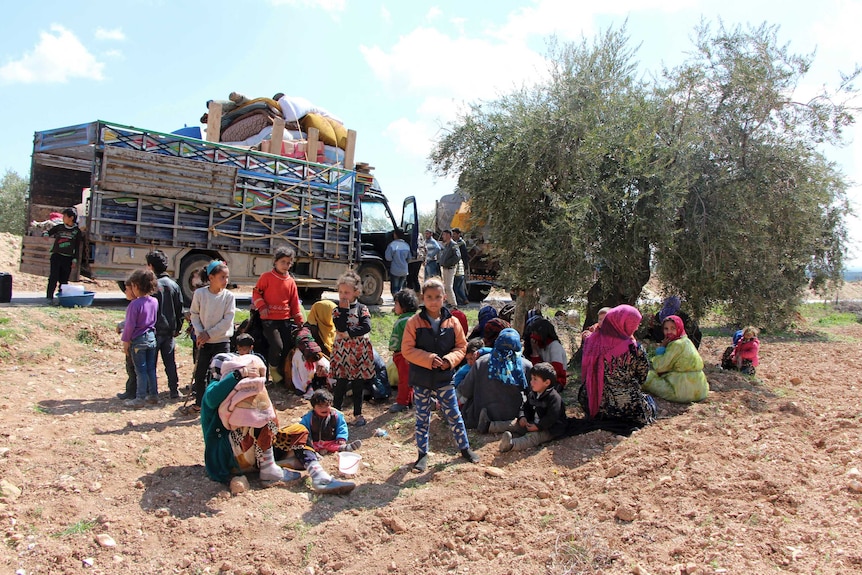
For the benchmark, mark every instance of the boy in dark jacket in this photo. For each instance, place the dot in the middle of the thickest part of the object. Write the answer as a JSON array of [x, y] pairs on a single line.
[[434, 345], [542, 416], [169, 322]]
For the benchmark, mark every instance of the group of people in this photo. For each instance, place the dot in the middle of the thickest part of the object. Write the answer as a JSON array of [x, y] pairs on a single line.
[[448, 259]]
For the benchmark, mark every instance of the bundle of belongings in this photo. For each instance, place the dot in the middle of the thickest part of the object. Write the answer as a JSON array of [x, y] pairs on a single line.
[[248, 122]]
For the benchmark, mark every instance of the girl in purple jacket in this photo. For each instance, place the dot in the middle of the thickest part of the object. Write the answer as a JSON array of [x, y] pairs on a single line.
[[139, 336]]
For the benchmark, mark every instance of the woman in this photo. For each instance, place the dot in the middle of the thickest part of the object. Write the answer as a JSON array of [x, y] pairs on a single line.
[[321, 324], [671, 306], [545, 346], [677, 370], [494, 388], [614, 368], [486, 314]]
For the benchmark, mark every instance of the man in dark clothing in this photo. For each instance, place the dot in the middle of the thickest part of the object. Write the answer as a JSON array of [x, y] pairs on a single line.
[[170, 319]]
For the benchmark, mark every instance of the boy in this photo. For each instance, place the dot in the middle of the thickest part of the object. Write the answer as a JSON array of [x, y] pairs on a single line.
[[326, 425], [434, 344], [542, 416], [64, 253], [169, 322]]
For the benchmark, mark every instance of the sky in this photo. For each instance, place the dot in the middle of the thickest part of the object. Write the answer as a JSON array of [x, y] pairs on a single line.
[[396, 72]]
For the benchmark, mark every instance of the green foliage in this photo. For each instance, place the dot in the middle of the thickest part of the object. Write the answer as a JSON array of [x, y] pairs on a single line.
[[82, 526], [13, 203]]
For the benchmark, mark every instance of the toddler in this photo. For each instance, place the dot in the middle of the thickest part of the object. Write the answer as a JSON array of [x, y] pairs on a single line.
[[326, 425]]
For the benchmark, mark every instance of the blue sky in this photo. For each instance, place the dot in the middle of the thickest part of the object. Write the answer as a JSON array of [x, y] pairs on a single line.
[[395, 72]]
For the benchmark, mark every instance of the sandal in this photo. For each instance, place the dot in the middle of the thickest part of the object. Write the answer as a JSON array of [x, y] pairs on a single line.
[[190, 409]]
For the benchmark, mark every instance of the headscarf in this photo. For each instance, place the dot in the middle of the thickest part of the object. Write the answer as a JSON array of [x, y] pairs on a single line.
[[505, 361], [321, 316], [670, 306], [611, 340], [492, 329], [485, 314], [737, 336], [543, 332], [461, 317], [680, 326]]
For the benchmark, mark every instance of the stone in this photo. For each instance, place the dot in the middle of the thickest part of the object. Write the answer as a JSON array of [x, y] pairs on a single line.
[[239, 484], [855, 485], [88, 562], [853, 472], [625, 513], [395, 524], [105, 540], [795, 380], [9, 490], [614, 471], [494, 472], [478, 513], [163, 512], [639, 570], [266, 569], [544, 494]]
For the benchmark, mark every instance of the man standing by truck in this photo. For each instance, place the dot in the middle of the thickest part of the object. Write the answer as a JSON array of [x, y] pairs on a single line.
[[448, 259], [432, 252], [397, 253], [461, 271]]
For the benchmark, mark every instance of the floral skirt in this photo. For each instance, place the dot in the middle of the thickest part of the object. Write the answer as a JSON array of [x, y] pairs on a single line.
[[352, 358]]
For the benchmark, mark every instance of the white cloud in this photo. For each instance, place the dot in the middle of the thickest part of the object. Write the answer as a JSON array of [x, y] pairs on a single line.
[[385, 15], [115, 54], [433, 13], [114, 34], [326, 5], [58, 57], [414, 138]]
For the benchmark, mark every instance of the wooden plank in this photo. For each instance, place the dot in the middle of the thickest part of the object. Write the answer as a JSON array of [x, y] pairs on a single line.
[[350, 152], [311, 148], [36, 255], [214, 122], [277, 136]]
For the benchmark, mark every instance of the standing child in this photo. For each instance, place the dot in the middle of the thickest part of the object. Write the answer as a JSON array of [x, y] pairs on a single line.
[[352, 354], [326, 425], [744, 354], [434, 344], [139, 337], [405, 306], [212, 312], [64, 252], [170, 319], [131, 380]]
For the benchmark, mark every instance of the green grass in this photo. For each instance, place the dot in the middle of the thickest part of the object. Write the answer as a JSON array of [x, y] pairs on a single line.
[[82, 526], [381, 326]]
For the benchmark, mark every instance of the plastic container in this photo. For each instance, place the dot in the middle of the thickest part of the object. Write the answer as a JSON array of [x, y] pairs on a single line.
[[380, 432], [83, 300], [348, 462], [71, 289]]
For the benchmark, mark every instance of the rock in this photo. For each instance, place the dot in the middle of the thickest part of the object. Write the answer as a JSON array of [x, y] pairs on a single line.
[[795, 380], [393, 566], [791, 407], [227, 566], [853, 473], [139, 484], [239, 484], [544, 494], [519, 550], [95, 486], [494, 472], [4, 451], [266, 569], [855, 485], [638, 570], [309, 570], [185, 562], [614, 471], [570, 503], [395, 524], [478, 513], [625, 513], [9, 491], [131, 423], [88, 562], [105, 540], [163, 512], [691, 569]]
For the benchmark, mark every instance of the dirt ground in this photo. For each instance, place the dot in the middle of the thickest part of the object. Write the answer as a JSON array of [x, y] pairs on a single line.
[[761, 477]]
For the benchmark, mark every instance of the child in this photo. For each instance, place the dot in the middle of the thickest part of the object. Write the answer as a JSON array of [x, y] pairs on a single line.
[[405, 307], [131, 380], [434, 344], [139, 337], [170, 319], [64, 253], [309, 366], [542, 416], [352, 353], [595, 327], [475, 348], [212, 312], [743, 355], [326, 425]]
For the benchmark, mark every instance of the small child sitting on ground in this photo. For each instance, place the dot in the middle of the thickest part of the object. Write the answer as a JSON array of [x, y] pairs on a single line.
[[475, 348], [743, 355], [326, 425], [542, 416]]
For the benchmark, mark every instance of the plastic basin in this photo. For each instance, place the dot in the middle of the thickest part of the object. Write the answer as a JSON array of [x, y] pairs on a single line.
[[83, 300]]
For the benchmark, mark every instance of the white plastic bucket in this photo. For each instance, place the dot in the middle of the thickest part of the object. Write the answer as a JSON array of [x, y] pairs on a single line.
[[71, 289], [348, 462]]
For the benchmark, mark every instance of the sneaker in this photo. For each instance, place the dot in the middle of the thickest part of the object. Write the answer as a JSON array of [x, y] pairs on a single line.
[[135, 403], [398, 408], [506, 443], [153, 400], [470, 455], [421, 463], [359, 421], [352, 446], [484, 421], [125, 396], [332, 486], [175, 394]]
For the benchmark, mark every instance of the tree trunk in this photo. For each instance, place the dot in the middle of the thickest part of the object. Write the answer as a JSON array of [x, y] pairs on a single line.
[[527, 300]]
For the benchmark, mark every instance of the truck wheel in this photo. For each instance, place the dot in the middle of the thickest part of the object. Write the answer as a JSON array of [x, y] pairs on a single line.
[[310, 295], [190, 267], [478, 293], [372, 284]]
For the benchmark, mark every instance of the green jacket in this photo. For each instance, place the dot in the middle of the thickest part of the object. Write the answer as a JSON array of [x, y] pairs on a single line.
[[219, 460], [677, 375], [398, 331]]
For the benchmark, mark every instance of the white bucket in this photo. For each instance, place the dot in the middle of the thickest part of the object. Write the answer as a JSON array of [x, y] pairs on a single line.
[[71, 289], [348, 462]]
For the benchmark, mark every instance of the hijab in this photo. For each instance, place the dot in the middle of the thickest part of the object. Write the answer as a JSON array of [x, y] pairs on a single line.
[[680, 326], [611, 340], [320, 315], [492, 329], [505, 361], [670, 306], [485, 314]]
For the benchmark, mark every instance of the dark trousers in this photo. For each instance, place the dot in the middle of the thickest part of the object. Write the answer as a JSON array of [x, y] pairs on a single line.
[[357, 387], [460, 288], [61, 269], [278, 333], [413, 276], [166, 348], [206, 353]]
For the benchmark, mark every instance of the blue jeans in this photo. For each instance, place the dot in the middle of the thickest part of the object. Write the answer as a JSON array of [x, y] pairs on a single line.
[[143, 351], [396, 283], [432, 270], [166, 348], [460, 288]]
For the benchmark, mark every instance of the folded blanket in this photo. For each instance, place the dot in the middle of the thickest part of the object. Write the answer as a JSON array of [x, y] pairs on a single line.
[[248, 404]]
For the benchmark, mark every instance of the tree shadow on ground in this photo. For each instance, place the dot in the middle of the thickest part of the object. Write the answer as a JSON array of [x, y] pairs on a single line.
[[182, 491], [73, 405]]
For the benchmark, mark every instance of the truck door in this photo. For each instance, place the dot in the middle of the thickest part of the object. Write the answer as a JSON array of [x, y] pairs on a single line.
[[410, 224]]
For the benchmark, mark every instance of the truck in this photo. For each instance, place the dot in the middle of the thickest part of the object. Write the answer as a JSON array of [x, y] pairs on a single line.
[[138, 190], [482, 269]]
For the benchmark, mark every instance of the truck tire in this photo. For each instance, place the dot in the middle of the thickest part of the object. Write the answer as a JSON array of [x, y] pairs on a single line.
[[372, 284], [189, 267], [478, 293]]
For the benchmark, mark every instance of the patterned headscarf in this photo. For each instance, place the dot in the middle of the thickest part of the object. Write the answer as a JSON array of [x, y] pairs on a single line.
[[505, 361], [320, 315], [670, 306], [611, 340], [493, 329], [680, 326]]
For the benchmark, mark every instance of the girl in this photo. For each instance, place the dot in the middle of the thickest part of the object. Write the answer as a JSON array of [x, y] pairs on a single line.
[[405, 307], [352, 353], [677, 372], [434, 344], [139, 336], [743, 355], [276, 298], [212, 312]]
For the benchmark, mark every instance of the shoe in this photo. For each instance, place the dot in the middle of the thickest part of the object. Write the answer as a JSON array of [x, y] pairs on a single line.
[[175, 394], [125, 396], [307, 395], [190, 409], [398, 408], [135, 403], [352, 446], [359, 421], [484, 421], [333, 486], [288, 477], [506, 443], [421, 464], [470, 455], [153, 400]]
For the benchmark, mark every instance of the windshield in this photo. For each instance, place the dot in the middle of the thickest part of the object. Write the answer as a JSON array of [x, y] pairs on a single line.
[[375, 218]]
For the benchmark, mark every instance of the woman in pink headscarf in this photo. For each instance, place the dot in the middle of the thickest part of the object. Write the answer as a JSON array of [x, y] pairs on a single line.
[[613, 369], [677, 371]]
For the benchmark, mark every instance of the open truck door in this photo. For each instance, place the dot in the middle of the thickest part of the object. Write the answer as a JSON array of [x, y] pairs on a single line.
[[410, 224]]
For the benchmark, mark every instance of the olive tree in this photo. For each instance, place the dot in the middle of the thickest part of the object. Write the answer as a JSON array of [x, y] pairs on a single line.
[[13, 194]]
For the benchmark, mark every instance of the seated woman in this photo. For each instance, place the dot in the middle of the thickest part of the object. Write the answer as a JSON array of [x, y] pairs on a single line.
[[497, 382], [545, 347], [677, 372], [486, 314], [671, 306], [310, 360], [613, 370], [240, 427], [744, 354]]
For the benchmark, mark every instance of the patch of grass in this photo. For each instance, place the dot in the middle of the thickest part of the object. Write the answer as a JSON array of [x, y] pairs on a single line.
[[82, 526], [306, 554], [546, 519], [85, 336], [39, 409], [142, 457]]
